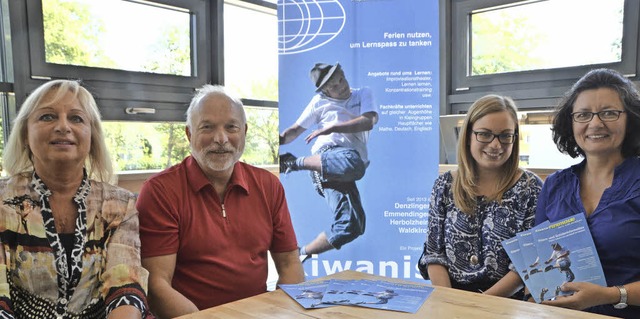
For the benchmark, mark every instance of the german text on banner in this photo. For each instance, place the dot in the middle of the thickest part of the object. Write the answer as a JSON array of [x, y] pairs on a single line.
[[359, 107]]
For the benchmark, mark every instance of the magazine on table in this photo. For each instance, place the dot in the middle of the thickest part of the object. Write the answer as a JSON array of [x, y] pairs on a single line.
[[343, 292], [362, 293], [556, 253], [307, 294], [393, 296]]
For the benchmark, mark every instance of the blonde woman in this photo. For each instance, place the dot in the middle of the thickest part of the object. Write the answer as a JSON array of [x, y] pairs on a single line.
[[486, 200], [69, 240]]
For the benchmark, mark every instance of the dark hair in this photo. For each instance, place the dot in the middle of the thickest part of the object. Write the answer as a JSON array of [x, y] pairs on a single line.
[[595, 79]]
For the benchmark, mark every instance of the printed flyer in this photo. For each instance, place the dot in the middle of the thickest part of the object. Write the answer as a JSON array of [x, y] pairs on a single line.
[[362, 293], [564, 252], [536, 282]]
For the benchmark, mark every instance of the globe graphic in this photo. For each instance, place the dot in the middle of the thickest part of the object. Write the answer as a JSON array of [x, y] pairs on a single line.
[[304, 25]]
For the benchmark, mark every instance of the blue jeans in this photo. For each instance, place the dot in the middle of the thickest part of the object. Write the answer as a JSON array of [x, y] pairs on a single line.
[[341, 164], [564, 264], [341, 168]]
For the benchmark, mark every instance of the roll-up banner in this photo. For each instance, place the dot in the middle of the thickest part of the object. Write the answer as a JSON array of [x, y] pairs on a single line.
[[370, 197]]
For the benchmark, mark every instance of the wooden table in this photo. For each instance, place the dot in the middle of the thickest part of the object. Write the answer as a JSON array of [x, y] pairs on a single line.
[[443, 303]]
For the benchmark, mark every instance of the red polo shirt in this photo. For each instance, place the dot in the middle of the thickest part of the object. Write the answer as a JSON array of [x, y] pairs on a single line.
[[219, 259]]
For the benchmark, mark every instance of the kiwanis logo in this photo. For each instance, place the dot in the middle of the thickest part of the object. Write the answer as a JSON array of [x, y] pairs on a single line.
[[305, 25]]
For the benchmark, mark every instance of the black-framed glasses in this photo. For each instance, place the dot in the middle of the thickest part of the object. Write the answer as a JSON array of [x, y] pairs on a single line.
[[488, 137], [605, 116]]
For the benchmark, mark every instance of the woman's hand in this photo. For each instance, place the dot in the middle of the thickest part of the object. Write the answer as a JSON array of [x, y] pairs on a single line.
[[585, 295]]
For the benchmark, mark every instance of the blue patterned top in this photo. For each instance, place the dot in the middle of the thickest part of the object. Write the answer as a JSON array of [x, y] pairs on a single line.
[[470, 245]]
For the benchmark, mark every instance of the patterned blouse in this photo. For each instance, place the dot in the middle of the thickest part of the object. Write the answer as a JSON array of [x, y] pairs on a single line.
[[104, 272], [470, 245]]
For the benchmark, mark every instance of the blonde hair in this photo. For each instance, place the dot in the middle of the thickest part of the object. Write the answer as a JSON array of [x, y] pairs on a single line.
[[17, 153], [464, 182]]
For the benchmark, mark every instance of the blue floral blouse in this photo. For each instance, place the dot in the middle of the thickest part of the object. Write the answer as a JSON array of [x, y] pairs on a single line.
[[470, 245]]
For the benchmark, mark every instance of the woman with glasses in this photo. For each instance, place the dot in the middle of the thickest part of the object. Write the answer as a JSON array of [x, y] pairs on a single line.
[[486, 200], [599, 120]]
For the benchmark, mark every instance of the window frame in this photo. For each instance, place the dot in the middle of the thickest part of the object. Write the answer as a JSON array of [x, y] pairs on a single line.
[[117, 90], [530, 89], [42, 69]]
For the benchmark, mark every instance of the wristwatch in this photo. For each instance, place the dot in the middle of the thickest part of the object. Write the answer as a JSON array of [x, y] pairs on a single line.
[[623, 298]]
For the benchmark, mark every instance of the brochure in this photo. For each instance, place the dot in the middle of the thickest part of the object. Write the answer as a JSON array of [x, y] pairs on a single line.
[[362, 293], [536, 282], [569, 254], [512, 247], [394, 296], [552, 254], [307, 294], [344, 292]]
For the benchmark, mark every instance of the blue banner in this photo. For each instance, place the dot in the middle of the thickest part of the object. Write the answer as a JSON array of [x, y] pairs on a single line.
[[391, 48]]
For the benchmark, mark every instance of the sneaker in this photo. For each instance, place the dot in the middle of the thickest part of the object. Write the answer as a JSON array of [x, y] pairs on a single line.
[[287, 163]]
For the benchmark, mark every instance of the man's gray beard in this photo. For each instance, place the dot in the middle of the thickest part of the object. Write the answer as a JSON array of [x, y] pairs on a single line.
[[213, 165]]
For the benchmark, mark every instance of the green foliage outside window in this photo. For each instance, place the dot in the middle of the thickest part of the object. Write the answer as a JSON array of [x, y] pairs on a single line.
[[503, 45], [538, 35], [72, 35]]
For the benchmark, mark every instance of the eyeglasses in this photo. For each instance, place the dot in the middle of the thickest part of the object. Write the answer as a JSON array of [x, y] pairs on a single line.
[[488, 137], [604, 116]]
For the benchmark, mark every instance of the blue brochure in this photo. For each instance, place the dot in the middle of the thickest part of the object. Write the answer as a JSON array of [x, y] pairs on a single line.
[[307, 294], [512, 247], [568, 254], [405, 297], [344, 292], [394, 296], [536, 282], [552, 254]]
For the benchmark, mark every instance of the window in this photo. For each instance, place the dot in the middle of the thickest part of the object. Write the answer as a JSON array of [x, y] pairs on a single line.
[[146, 146], [251, 69], [138, 146], [94, 33], [154, 76], [99, 40], [545, 35], [262, 137], [154, 146], [535, 138], [142, 60], [534, 50], [251, 51]]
